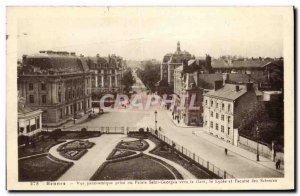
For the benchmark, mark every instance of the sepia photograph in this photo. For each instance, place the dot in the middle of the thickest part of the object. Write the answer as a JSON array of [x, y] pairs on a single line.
[[150, 98]]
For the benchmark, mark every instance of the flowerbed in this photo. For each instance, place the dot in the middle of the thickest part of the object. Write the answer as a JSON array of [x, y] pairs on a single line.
[[73, 154], [116, 153], [138, 145], [76, 145]]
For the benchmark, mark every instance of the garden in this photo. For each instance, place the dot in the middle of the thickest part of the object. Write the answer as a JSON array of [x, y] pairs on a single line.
[[74, 150], [140, 167], [138, 145], [42, 168]]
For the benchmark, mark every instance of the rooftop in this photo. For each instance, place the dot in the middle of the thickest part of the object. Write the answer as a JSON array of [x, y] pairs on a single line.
[[228, 92]]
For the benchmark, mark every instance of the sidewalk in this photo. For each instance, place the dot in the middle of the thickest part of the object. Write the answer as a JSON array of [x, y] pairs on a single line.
[[239, 151], [175, 122]]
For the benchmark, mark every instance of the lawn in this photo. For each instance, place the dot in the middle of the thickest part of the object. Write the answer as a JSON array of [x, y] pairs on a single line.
[[139, 168], [42, 168], [165, 151], [138, 145], [40, 147]]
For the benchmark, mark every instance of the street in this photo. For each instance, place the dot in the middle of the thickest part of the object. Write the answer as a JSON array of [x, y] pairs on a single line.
[[235, 164]]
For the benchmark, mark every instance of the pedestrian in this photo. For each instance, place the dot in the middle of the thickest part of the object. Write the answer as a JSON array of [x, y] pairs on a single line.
[[226, 151], [278, 164], [147, 129], [159, 128], [178, 120]]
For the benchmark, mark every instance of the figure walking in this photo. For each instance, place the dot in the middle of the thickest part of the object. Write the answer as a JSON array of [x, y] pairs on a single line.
[[226, 151], [278, 164]]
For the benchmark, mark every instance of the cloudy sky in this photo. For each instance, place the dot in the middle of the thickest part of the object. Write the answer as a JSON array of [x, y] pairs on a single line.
[[144, 33]]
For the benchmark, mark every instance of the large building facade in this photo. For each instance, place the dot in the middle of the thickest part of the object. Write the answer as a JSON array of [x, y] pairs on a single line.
[[171, 61], [58, 83], [223, 107], [106, 73]]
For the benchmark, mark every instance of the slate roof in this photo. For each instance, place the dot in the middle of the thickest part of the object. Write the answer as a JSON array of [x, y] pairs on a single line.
[[56, 63], [228, 92]]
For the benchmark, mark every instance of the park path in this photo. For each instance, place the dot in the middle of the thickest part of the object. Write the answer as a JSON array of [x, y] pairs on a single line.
[[185, 173], [86, 166]]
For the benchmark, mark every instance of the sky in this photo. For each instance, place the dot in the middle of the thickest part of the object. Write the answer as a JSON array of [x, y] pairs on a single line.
[[149, 33]]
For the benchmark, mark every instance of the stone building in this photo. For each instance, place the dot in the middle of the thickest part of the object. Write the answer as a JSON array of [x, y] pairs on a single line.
[[223, 107], [58, 83], [171, 61], [106, 73]]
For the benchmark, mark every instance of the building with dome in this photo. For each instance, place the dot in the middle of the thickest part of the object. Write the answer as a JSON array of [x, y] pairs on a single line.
[[171, 61]]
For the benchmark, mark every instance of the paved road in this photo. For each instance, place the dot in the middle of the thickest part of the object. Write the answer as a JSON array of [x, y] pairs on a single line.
[[234, 164]]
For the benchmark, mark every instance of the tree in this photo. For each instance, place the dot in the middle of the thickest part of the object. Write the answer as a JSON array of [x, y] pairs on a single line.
[[149, 73], [128, 79], [257, 116]]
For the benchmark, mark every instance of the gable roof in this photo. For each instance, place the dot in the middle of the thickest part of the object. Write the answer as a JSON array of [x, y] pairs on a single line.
[[228, 92]]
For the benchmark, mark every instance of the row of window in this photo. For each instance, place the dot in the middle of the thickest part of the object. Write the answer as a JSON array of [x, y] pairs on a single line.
[[29, 127], [222, 116], [217, 105], [217, 127], [43, 85]]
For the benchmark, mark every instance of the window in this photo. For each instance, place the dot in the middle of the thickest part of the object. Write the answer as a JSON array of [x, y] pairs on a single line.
[[217, 115], [44, 99], [228, 107], [70, 96], [228, 131], [211, 125], [229, 119], [38, 122], [31, 99], [223, 105], [43, 86], [217, 104], [211, 103], [222, 117], [217, 126], [212, 114], [30, 86], [205, 101], [222, 129]]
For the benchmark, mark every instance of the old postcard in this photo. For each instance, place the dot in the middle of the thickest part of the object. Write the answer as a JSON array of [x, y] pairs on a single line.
[[150, 98]]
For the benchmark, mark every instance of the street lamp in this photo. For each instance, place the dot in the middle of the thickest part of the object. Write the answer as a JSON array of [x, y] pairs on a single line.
[[155, 120], [257, 135]]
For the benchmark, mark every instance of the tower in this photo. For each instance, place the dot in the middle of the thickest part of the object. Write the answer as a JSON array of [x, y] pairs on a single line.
[[178, 46]]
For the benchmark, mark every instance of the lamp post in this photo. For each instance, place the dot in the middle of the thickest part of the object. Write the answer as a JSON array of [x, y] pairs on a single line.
[[155, 120], [257, 144]]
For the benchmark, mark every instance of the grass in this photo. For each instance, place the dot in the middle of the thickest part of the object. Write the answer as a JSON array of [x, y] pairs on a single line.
[[40, 147], [42, 168], [165, 151], [138, 168], [138, 145]]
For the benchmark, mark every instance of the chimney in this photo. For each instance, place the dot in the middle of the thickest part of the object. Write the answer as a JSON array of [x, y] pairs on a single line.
[[237, 88], [225, 78], [218, 84], [249, 86]]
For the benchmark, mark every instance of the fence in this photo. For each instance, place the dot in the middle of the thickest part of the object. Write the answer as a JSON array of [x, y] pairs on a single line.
[[251, 145], [192, 156], [179, 148], [105, 130]]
